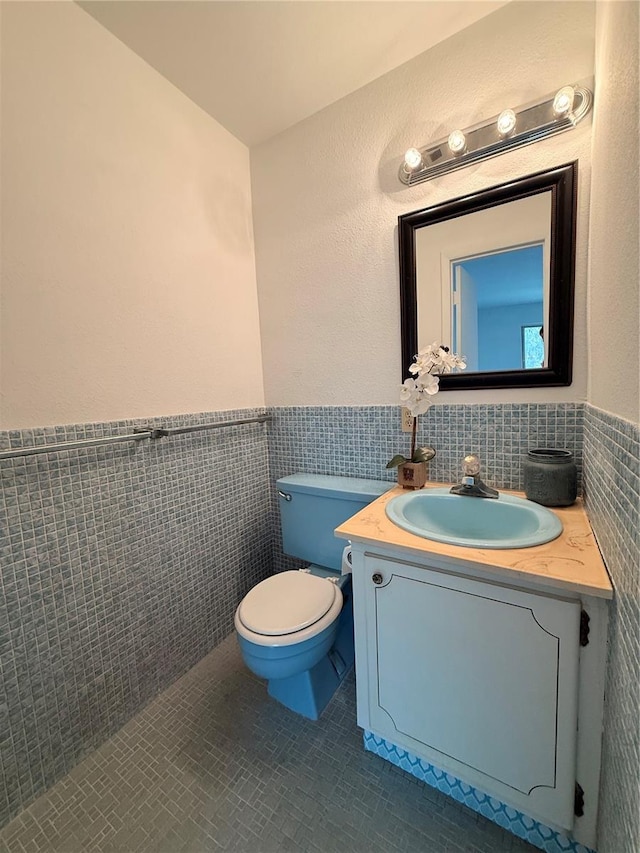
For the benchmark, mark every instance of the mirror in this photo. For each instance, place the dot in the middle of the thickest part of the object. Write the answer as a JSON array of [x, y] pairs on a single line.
[[491, 275]]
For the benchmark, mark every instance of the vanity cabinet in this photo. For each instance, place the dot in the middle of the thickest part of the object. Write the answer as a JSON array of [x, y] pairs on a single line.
[[488, 665], [480, 679]]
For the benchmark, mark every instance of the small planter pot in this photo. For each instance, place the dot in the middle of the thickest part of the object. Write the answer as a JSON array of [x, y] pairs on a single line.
[[550, 477], [412, 475]]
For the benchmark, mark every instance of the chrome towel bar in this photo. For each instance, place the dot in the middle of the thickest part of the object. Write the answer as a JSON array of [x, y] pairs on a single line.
[[138, 434]]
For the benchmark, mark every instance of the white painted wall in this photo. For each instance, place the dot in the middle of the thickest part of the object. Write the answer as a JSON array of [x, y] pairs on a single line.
[[614, 278], [128, 273], [326, 201]]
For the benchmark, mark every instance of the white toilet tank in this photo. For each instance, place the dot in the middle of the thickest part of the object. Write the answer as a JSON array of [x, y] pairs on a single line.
[[313, 505]]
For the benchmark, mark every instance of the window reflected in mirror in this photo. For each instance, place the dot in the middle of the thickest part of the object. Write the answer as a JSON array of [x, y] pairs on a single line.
[[532, 347]]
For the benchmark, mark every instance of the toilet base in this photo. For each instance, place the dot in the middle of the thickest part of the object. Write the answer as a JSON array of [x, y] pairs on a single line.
[[309, 692]]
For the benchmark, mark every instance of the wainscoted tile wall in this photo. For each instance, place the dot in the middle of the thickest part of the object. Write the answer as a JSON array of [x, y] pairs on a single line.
[[121, 568], [612, 497], [359, 441], [122, 565]]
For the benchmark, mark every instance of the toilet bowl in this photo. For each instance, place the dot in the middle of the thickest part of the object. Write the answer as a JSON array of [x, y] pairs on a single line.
[[295, 628], [287, 627]]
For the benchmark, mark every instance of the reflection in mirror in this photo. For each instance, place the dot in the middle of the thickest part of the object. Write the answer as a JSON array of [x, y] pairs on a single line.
[[493, 269], [494, 298], [491, 275]]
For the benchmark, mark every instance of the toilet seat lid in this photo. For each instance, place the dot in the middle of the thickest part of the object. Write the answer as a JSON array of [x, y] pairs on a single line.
[[286, 603]]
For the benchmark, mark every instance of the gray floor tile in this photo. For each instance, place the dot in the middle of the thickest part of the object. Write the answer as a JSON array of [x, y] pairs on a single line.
[[214, 764]]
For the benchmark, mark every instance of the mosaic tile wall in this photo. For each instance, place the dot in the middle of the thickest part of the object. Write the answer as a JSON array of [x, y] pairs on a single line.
[[121, 568], [122, 565], [612, 497], [359, 441]]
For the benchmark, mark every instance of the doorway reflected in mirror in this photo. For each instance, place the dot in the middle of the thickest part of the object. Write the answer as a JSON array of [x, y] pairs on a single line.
[[494, 297]]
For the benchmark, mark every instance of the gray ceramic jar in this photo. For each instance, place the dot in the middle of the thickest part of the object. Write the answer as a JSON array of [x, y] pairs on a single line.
[[550, 477]]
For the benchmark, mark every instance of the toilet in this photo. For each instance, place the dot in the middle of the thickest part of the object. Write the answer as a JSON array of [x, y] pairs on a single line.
[[296, 628]]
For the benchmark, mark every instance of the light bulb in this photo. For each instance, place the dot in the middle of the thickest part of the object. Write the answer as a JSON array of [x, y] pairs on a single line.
[[506, 122], [413, 159], [457, 142], [563, 101]]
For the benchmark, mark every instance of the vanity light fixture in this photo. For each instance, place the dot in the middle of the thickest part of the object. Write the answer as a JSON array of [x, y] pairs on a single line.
[[513, 128]]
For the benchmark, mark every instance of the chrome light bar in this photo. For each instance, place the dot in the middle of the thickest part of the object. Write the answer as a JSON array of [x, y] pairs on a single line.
[[513, 128]]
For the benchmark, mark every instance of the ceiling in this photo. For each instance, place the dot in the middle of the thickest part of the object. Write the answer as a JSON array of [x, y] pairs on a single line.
[[260, 66]]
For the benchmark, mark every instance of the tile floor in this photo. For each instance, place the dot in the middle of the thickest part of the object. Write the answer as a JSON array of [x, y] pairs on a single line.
[[215, 764]]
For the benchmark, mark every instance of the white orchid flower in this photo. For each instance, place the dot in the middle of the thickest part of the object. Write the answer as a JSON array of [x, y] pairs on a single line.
[[450, 362], [416, 393], [420, 407], [428, 384], [407, 390], [414, 397], [436, 360], [427, 356]]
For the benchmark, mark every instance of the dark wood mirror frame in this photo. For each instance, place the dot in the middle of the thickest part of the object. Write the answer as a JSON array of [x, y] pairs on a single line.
[[562, 182]]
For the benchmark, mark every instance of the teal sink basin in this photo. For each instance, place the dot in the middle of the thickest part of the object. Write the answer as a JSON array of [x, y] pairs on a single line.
[[507, 522]]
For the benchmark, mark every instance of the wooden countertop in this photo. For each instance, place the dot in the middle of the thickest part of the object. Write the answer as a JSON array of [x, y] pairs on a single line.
[[571, 562]]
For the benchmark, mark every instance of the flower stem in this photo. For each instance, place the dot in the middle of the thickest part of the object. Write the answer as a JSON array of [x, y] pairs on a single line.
[[413, 438]]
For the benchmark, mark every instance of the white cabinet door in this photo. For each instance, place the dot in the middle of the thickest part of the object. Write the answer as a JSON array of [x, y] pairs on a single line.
[[478, 678]]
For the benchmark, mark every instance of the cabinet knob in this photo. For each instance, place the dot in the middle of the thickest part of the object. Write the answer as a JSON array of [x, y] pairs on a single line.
[[376, 577]]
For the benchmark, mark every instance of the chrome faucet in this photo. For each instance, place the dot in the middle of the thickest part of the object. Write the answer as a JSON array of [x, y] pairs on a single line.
[[471, 485]]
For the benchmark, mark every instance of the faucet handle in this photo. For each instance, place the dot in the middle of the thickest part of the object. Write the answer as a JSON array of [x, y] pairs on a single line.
[[471, 484], [471, 465]]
